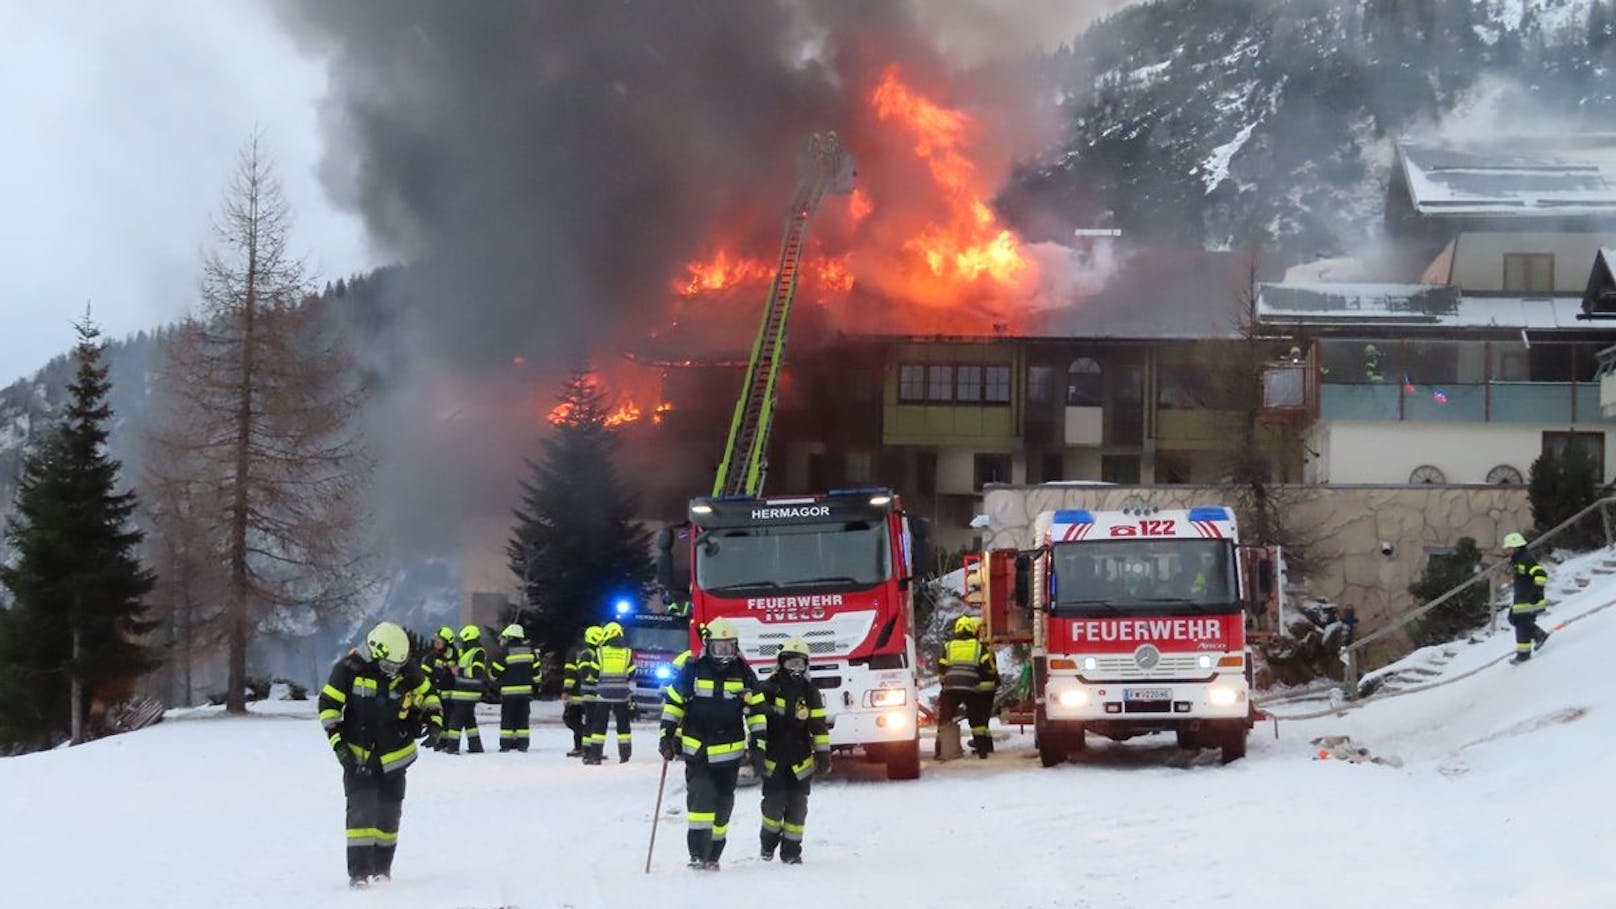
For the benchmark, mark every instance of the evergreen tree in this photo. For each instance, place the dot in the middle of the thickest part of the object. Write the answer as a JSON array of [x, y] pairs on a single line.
[[576, 547], [1464, 612], [76, 584], [1561, 483]]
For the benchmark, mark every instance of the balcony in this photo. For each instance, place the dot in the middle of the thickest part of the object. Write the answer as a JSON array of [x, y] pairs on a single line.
[[1493, 402]]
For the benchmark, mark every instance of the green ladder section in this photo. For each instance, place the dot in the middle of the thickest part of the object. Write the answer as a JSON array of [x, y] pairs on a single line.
[[825, 167]]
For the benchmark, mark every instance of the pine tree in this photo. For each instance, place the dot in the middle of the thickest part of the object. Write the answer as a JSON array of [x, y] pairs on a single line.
[[77, 586], [1560, 484], [576, 547], [1464, 612]]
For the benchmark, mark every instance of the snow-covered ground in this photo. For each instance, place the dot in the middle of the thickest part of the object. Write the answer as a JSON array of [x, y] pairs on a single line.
[[1502, 798]]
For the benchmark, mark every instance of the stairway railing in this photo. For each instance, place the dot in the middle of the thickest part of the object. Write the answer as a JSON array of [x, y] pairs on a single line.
[[1349, 653]]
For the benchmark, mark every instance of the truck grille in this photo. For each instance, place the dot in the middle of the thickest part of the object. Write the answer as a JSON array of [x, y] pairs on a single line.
[[1124, 666], [834, 636]]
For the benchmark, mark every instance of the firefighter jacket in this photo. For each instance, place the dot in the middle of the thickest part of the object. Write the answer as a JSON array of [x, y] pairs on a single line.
[[375, 717], [967, 665], [440, 669], [713, 707], [571, 683], [588, 674], [471, 671], [796, 728], [1531, 582], [513, 672], [614, 683]]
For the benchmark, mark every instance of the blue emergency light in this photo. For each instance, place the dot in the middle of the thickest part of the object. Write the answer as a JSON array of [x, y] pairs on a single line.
[[623, 606], [664, 672]]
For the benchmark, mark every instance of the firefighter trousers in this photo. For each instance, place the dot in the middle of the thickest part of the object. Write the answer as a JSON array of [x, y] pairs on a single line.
[[514, 710], [1527, 633], [375, 805], [978, 708], [709, 799], [785, 811], [463, 718], [600, 713], [577, 719]]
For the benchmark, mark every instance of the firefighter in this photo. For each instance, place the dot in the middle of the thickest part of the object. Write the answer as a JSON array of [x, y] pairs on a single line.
[[794, 747], [574, 714], [1371, 364], [614, 694], [707, 714], [588, 682], [1531, 581], [970, 678], [471, 667], [373, 707], [513, 674], [440, 669]]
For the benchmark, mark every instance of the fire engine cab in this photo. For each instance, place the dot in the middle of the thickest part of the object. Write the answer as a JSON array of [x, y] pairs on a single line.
[[1138, 622]]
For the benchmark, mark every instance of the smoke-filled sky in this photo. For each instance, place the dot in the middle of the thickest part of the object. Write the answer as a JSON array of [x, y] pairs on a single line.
[[122, 124]]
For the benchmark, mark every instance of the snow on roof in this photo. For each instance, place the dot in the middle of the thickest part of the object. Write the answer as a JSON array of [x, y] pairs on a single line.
[[1410, 304], [1523, 177]]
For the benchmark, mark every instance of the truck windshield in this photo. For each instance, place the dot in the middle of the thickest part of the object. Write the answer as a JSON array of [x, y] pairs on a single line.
[[669, 640], [848, 555], [1160, 577]]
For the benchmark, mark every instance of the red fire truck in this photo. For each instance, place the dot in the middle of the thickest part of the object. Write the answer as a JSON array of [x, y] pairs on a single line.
[[835, 570], [1138, 623]]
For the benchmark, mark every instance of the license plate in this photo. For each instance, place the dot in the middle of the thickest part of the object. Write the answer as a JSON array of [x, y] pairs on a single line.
[[1147, 694]]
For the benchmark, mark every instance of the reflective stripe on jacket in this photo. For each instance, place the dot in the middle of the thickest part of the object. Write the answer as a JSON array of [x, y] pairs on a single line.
[[514, 672], [797, 728], [1531, 583], [615, 683], [473, 668], [713, 708], [967, 665]]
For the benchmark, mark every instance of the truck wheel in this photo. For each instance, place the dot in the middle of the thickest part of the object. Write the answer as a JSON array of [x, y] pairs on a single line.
[[1187, 739], [903, 762], [1079, 740], [1234, 742]]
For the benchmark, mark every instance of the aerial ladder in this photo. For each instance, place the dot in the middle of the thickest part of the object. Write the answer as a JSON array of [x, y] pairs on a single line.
[[824, 167]]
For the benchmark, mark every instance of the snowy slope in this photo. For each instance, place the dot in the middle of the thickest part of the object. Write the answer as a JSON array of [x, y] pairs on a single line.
[[1501, 798]]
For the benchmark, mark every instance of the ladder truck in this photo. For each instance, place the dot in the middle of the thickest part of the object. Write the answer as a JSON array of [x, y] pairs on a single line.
[[834, 569]]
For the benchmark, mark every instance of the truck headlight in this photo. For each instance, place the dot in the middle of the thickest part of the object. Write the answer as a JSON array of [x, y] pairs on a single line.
[[1204, 661], [1222, 695], [886, 697], [1072, 697], [1090, 664]]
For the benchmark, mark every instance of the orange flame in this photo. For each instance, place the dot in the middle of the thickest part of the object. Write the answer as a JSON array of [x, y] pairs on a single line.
[[622, 412], [859, 205], [721, 272]]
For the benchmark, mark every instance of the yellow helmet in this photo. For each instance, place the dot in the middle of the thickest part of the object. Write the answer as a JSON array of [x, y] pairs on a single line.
[[389, 646], [967, 624], [1514, 541], [611, 630], [723, 641], [446, 635], [592, 635], [470, 633]]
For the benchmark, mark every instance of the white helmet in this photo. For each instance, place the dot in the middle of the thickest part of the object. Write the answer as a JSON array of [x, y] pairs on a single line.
[[389, 647], [793, 656], [513, 631]]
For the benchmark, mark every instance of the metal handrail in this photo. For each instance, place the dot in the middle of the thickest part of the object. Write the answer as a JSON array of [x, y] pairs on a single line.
[[1349, 653]]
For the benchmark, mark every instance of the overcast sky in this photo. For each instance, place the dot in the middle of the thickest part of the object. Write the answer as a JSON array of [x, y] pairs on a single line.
[[122, 121]]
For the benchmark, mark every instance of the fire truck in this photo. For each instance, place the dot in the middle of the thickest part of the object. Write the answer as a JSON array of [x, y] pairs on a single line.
[[835, 570], [1139, 621], [656, 638]]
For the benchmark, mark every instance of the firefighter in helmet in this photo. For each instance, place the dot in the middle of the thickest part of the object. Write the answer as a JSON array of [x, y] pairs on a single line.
[[575, 715], [471, 669], [794, 746], [373, 707], [1531, 583], [707, 714], [513, 675], [588, 679], [614, 694], [440, 669], [970, 679]]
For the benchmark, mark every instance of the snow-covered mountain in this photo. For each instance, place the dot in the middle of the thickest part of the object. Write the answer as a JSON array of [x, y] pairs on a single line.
[[1269, 122]]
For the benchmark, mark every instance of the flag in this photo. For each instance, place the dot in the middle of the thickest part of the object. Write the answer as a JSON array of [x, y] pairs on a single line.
[[1408, 387], [1440, 396]]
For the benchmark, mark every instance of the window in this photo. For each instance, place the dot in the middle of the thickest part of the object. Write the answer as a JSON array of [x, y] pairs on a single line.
[[1592, 445], [1053, 465], [1123, 469], [968, 384], [860, 467], [926, 473], [911, 383], [1083, 383], [1040, 384], [1172, 467], [998, 384], [992, 467], [939, 383], [1529, 272]]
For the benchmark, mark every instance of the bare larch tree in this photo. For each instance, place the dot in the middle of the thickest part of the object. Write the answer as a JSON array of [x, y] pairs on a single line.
[[261, 396]]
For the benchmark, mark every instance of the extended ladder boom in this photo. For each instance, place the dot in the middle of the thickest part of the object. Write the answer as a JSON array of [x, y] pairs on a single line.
[[825, 167]]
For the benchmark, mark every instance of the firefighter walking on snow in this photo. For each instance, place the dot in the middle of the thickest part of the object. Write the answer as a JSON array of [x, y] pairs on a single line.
[[614, 694], [513, 674], [1529, 599], [574, 715], [707, 714], [970, 678], [373, 707], [439, 666], [795, 745], [471, 669]]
